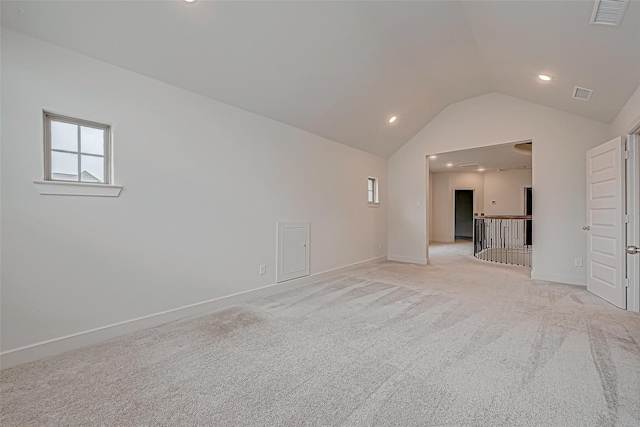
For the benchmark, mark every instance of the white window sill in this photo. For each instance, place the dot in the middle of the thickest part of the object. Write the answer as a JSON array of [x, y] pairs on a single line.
[[59, 188], [373, 205]]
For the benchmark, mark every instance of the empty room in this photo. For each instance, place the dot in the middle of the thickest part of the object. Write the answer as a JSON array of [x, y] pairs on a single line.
[[323, 213]]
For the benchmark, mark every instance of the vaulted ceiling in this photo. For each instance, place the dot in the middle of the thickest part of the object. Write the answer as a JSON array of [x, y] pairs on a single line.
[[342, 69]]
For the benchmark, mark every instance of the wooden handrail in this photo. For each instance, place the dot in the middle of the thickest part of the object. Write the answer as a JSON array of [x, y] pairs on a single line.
[[502, 217]]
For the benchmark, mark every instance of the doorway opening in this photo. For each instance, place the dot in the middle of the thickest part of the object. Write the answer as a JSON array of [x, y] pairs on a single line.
[[463, 214], [528, 211], [481, 195]]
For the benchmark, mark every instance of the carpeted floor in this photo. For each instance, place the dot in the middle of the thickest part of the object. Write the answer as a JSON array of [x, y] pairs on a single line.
[[460, 343]]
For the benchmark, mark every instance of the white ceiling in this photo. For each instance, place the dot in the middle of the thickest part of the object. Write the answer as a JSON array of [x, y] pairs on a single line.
[[341, 69], [492, 158]]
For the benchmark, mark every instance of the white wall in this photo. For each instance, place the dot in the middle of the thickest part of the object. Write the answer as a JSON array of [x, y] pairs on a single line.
[[506, 189], [560, 140], [628, 118], [204, 184], [442, 200]]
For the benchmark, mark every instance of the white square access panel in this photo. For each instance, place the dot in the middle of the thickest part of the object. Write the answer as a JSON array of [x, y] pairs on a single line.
[[292, 258]]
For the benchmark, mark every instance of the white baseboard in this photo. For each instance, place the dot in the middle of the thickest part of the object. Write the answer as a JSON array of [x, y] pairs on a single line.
[[59, 345], [559, 278], [408, 260], [442, 241]]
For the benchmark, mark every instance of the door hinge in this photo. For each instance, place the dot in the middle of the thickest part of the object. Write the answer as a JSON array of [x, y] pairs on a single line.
[[626, 282], [626, 154], [626, 219]]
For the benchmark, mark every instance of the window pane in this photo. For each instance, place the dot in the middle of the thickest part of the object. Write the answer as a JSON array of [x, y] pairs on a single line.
[[371, 196], [92, 169], [92, 140], [64, 136], [64, 166], [370, 185]]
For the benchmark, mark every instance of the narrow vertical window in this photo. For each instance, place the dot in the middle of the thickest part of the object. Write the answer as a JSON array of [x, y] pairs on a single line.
[[76, 150], [372, 190]]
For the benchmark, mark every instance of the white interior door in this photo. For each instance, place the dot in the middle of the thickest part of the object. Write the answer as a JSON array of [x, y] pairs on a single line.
[[605, 222], [293, 250]]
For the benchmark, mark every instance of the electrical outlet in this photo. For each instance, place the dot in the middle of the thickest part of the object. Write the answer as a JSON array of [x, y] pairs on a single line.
[[577, 262], [263, 269]]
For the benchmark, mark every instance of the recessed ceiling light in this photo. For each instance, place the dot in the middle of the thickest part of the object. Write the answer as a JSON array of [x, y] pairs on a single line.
[[189, 1], [393, 119], [449, 165], [432, 157], [544, 77], [481, 170]]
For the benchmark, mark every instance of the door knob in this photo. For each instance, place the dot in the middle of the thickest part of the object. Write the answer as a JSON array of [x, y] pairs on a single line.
[[586, 227], [632, 250]]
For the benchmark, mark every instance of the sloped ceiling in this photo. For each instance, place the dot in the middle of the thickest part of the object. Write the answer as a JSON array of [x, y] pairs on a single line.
[[341, 69]]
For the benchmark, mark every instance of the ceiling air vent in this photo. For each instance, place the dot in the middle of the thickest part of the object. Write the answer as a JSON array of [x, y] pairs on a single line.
[[608, 12], [582, 93], [470, 165]]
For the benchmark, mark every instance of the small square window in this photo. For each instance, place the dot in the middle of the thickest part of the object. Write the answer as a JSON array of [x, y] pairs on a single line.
[[372, 190], [76, 150]]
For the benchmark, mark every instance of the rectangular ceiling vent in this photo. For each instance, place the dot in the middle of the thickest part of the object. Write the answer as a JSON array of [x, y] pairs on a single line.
[[470, 165], [582, 93], [609, 12]]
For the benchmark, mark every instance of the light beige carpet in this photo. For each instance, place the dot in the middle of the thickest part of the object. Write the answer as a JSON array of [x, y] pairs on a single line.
[[460, 343]]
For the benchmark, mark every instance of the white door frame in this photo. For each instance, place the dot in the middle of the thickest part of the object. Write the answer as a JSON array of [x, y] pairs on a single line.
[[633, 225], [428, 207]]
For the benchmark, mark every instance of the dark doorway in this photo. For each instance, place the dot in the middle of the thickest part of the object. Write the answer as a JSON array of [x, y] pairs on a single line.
[[464, 214], [528, 209]]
